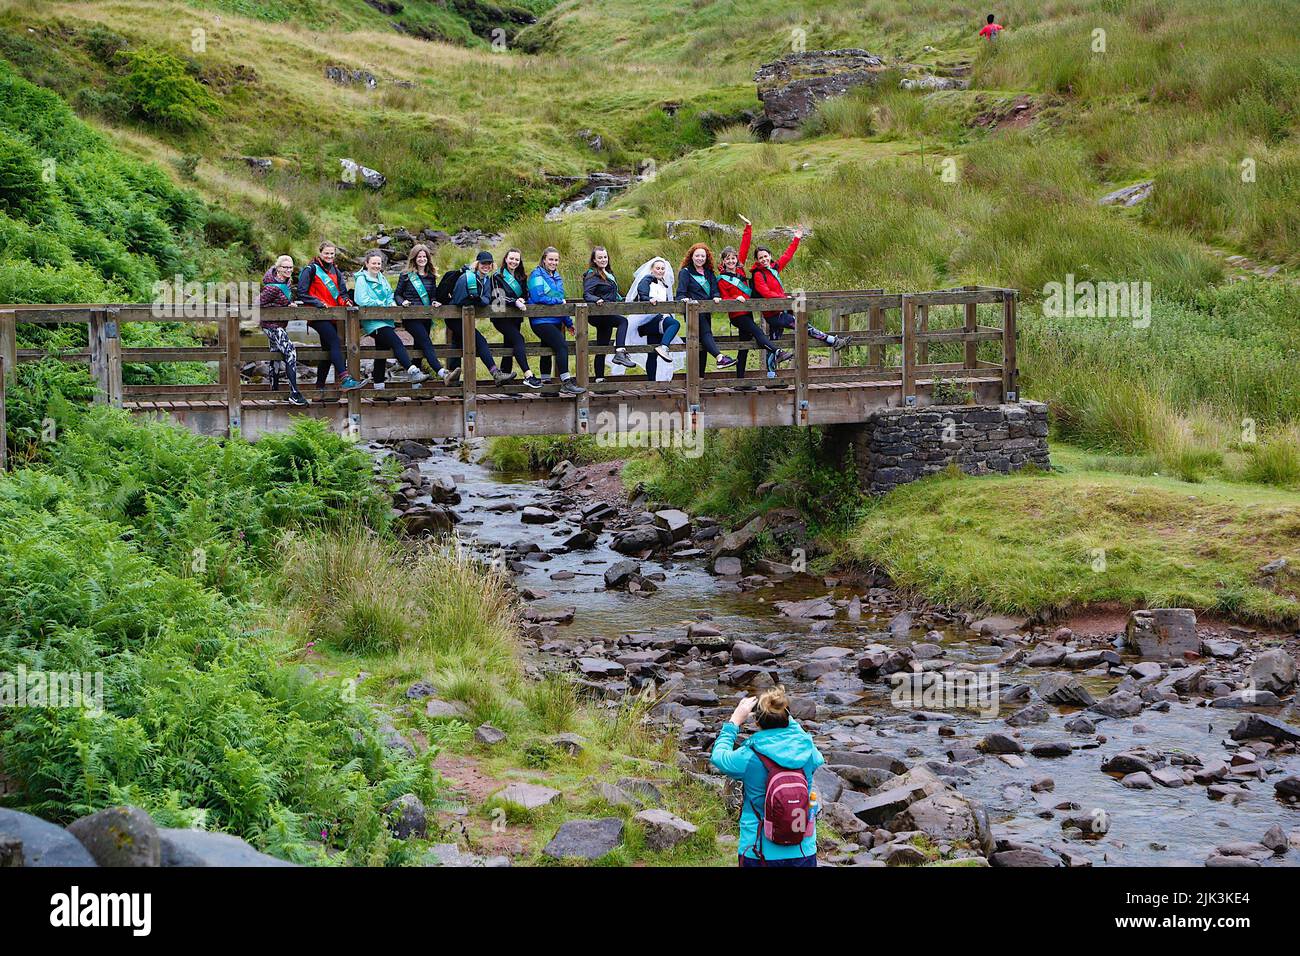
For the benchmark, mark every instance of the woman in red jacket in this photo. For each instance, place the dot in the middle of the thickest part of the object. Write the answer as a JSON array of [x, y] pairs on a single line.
[[767, 285], [733, 285]]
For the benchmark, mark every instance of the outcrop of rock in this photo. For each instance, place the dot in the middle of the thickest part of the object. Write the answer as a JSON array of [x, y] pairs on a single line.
[[792, 87]]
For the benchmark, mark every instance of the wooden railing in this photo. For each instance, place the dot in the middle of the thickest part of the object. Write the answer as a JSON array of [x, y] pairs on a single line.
[[893, 335]]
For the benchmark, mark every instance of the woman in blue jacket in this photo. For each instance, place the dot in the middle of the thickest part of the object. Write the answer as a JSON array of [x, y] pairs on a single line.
[[780, 739], [372, 289], [546, 287]]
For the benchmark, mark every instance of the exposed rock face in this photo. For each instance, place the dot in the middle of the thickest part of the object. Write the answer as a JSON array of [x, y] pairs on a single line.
[[1129, 195], [791, 87], [353, 172]]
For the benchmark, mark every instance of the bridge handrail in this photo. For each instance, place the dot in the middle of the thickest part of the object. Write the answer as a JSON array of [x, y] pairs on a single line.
[[106, 355]]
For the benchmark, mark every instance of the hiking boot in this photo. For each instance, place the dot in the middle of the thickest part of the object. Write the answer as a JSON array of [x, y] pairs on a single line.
[[839, 342], [501, 377], [620, 357], [570, 387], [449, 376], [415, 376]]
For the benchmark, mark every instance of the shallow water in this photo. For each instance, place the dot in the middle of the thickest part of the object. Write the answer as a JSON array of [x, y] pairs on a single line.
[[1162, 826]]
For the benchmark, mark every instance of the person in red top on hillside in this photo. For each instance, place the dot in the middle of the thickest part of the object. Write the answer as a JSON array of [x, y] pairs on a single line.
[[991, 28], [767, 285], [733, 285], [320, 284]]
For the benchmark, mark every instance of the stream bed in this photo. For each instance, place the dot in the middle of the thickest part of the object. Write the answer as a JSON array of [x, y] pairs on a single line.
[[847, 709]]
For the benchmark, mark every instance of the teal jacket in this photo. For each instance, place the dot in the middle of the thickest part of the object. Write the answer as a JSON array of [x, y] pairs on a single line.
[[788, 746], [370, 291]]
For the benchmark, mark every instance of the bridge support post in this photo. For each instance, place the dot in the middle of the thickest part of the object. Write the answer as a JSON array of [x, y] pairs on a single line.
[[801, 363], [836, 327], [468, 372], [581, 362], [105, 347], [234, 387], [971, 325], [876, 326], [1010, 388], [9, 342], [692, 367], [907, 396], [352, 353]]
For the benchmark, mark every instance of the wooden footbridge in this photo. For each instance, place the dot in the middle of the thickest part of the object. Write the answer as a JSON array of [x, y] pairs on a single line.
[[907, 349]]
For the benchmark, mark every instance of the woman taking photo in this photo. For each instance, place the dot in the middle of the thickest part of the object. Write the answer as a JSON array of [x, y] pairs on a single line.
[[696, 282], [599, 285], [321, 285], [277, 293], [546, 287], [512, 289], [781, 757], [415, 287], [372, 290]]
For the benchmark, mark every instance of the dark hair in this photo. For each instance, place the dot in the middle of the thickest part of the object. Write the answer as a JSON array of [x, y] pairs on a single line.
[[591, 261], [990, 19], [325, 244], [371, 253], [761, 249], [518, 272]]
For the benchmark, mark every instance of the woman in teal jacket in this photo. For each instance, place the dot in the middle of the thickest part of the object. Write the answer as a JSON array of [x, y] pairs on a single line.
[[546, 287], [372, 289], [785, 743]]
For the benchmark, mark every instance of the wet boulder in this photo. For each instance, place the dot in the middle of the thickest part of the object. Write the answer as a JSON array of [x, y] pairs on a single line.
[[675, 524], [1274, 670], [1064, 689], [1165, 633]]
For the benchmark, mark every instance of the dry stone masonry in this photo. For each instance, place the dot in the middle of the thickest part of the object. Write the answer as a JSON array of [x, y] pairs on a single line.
[[898, 445]]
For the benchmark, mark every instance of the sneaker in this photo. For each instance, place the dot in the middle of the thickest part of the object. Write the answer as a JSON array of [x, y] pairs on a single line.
[[570, 387], [501, 377], [620, 357], [415, 376], [298, 398], [664, 352], [725, 361], [532, 381], [350, 384], [449, 376], [783, 356]]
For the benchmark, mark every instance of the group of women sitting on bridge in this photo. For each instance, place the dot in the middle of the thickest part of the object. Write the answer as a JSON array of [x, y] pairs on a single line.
[[321, 285]]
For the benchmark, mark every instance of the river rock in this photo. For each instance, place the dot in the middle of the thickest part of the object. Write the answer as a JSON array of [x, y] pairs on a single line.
[[1024, 856], [535, 515], [677, 524], [1119, 704], [827, 784], [600, 667], [1288, 788], [423, 520], [735, 544], [407, 817], [947, 816], [582, 540], [620, 573], [1274, 670], [1127, 763], [488, 735], [43, 843], [840, 818], [636, 540], [119, 836], [1064, 689], [742, 652], [585, 839], [664, 830], [1138, 781], [1165, 633], [726, 567], [206, 848], [1035, 713], [999, 744], [1261, 727], [1047, 656]]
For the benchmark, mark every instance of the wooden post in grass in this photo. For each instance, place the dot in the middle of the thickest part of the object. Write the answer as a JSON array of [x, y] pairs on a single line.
[[1010, 388], [908, 392], [581, 344], [468, 372]]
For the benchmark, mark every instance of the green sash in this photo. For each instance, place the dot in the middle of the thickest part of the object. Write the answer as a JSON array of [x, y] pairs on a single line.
[[418, 282], [327, 282], [509, 279], [738, 282], [702, 283]]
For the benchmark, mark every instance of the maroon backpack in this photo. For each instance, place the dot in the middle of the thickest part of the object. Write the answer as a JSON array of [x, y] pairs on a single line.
[[787, 807]]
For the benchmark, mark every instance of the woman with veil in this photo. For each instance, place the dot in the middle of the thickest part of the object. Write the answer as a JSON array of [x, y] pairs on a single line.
[[651, 283]]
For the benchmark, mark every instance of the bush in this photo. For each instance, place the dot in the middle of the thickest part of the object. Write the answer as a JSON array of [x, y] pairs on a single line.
[[158, 89]]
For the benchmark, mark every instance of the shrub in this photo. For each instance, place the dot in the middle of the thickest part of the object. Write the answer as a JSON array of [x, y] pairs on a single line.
[[158, 89]]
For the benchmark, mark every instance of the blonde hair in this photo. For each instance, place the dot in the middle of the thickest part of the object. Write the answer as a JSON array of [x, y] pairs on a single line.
[[280, 260], [773, 707]]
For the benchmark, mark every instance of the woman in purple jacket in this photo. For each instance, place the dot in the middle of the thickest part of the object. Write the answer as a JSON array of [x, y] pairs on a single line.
[[277, 293]]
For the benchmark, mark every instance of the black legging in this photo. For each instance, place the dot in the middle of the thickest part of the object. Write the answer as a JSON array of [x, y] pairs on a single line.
[[386, 338], [420, 329], [511, 334], [604, 326], [329, 340], [708, 346], [457, 340], [551, 335], [747, 328]]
